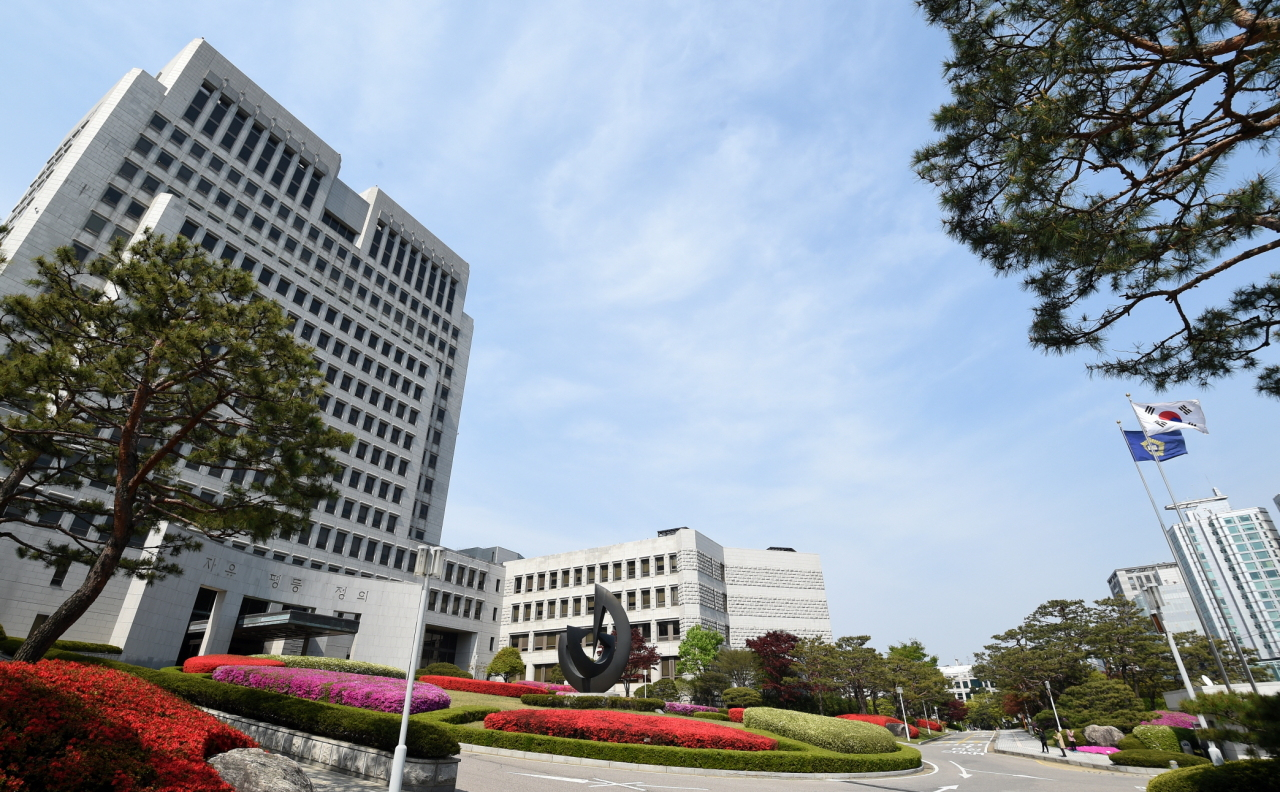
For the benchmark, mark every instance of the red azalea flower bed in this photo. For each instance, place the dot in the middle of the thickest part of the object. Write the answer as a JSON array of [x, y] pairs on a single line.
[[880, 720], [508, 689], [207, 664], [66, 727], [930, 724], [735, 714], [628, 727]]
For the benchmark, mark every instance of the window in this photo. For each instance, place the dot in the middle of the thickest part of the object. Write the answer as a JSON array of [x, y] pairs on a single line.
[[644, 600], [660, 595], [520, 642], [135, 210], [658, 565], [143, 146], [631, 600], [112, 196], [185, 174], [127, 171], [95, 223]]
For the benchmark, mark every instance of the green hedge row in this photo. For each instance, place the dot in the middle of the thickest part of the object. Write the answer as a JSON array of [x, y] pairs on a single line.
[[834, 734], [1253, 775], [1149, 758], [441, 669], [427, 739], [336, 664], [793, 758], [591, 702], [10, 645], [716, 716]]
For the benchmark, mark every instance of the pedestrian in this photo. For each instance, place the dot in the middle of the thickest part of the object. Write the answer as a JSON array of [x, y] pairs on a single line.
[[1062, 743], [1044, 740], [1071, 738]]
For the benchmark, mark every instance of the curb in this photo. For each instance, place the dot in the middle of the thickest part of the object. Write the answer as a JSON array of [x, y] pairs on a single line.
[[696, 771], [1143, 771]]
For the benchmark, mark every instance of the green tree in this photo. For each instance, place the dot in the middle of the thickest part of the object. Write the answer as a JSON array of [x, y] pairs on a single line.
[[1101, 701], [506, 663], [1050, 645], [121, 369], [912, 651], [985, 711], [742, 697], [742, 666], [664, 689], [1088, 150], [1122, 639], [698, 650], [1247, 718], [1198, 659], [862, 666], [554, 675], [817, 665]]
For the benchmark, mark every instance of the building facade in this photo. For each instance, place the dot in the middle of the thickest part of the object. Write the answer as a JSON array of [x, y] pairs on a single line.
[[200, 150], [1232, 554], [963, 684], [1140, 585], [668, 584]]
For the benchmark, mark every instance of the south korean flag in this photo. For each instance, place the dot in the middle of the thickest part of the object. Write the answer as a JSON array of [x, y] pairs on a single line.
[[1168, 416]]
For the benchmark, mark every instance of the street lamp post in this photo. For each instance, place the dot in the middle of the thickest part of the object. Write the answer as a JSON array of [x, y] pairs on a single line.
[[1056, 719], [906, 722], [430, 563]]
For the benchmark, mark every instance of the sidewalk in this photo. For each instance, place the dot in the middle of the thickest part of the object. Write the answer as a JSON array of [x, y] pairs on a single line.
[[1016, 742]]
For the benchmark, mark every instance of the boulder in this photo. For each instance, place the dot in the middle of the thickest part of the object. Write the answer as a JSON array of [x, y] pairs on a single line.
[[255, 770], [1103, 735]]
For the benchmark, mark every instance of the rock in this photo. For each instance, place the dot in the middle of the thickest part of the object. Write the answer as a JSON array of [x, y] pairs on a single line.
[[897, 729], [1103, 735], [255, 770]]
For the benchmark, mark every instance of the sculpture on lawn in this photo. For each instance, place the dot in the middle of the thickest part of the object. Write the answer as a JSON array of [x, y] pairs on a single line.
[[586, 673]]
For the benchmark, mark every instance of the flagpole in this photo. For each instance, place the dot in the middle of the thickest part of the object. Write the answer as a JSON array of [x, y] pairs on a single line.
[[1177, 507], [1213, 644]]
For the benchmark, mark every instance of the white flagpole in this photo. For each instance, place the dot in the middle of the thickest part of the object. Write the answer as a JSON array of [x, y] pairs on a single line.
[[1204, 624], [1177, 507]]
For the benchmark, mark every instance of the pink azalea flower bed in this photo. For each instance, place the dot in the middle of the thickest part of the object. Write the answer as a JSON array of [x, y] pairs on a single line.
[[678, 708], [1179, 720], [383, 694], [548, 686], [1098, 749]]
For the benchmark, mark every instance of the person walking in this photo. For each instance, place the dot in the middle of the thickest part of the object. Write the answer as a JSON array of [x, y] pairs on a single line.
[[1062, 743], [1044, 740], [1071, 738]]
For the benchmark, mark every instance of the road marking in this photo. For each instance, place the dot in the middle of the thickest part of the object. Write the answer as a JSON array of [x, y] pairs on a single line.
[[963, 773], [953, 786], [637, 786]]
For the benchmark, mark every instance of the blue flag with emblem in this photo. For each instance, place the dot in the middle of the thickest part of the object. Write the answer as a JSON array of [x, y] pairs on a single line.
[[1161, 446]]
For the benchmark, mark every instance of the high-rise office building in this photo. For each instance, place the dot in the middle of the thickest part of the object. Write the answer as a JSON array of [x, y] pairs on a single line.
[[1232, 553], [200, 150], [1137, 584]]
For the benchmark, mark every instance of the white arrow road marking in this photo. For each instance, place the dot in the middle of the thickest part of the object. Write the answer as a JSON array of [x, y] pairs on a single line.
[[637, 786], [953, 786], [1015, 775], [963, 773]]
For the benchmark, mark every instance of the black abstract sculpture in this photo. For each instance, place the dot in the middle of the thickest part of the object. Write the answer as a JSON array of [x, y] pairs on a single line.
[[586, 674]]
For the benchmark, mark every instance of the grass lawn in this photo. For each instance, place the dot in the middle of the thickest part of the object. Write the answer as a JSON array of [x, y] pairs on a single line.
[[465, 698]]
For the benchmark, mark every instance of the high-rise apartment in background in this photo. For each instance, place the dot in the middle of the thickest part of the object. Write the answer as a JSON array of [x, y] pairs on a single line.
[[1137, 583], [200, 150], [1233, 553]]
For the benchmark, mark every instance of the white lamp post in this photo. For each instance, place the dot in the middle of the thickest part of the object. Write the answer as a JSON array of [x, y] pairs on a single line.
[[1051, 704], [906, 722], [430, 563]]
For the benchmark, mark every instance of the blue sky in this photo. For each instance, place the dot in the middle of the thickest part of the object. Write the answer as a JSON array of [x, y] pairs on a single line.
[[708, 290]]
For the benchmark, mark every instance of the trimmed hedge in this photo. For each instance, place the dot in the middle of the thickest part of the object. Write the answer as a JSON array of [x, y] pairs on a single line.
[[834, 734], [336, 664], [591, 702], [716, 716], [10, 645], [1254, 775], [742, 697], [508, 689], [1149, 758], [381, 730], [735, 714], [1157, 738], [633, 728], [790, 757], [442, 669], [1131, 743]]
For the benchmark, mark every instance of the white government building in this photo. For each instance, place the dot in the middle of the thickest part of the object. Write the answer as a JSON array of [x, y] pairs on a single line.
[[1158, 587], [200, 150]]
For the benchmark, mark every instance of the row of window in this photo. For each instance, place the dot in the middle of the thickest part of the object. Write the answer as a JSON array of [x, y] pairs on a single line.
[[442, 601], [340, 542], [587, 576], [665, 631], [470, 577], [642, 599], [441, 287]]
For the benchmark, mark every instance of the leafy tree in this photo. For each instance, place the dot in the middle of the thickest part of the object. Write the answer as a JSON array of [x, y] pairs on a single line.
[[863, 670], [554, 675], [912, 651], [644, 656], [1123, 640], [954, 710], [507, 663], [1088, 150], [742, 666], [1247, 718], [705, 688], [1101, 701], [817, 666], [923, 685], [985, 711], [664, 689], [698, 650], [1050, 645], [116, 371], [774, 649], [1198, 659]]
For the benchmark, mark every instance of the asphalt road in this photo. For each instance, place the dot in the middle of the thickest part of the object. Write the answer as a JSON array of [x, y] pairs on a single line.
[[960, 762]]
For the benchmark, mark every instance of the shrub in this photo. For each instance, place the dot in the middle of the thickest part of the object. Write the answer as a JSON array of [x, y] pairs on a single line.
[[880, 720], [1147, 758], [834, 734], [2, 633], [336, 664], [680, 708], [1251, 775], [625, 727], [735, 714], [508, 689], [1168, 718], [1131, 743], [550, 687], [930, 724], [742, 697], [664, 689], [383, 694], [591, 702], [443, 669], [506, 663], [1157, 738], [715, 716], [207, 664], [1106, 702], [11, 645], [73, 727]]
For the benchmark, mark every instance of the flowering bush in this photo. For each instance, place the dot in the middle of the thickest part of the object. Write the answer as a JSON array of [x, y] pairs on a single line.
[[382, 694], [880, 720], [335, 664], [735, 714], [1097, 749], [508, 689], [679, 708], [207, 664], [627, 727], [548, 687], [930, 724], [69, 727], [1177, 720]]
